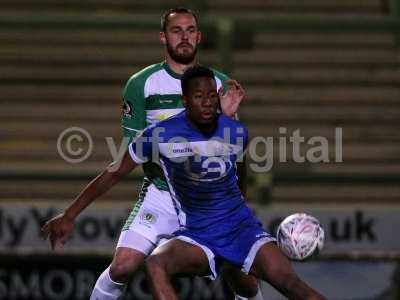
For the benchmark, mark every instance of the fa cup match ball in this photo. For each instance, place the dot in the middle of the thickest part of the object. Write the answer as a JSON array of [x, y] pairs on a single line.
[[299, 236]]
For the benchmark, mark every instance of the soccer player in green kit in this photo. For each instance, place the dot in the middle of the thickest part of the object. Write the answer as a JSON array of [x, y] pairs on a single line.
[[151, 95]]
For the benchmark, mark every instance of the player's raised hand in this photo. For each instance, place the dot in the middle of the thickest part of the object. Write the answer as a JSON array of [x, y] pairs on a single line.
[[231, 99], [58, 229]]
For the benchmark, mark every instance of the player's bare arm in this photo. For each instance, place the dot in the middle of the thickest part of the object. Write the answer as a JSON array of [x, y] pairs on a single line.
[[59, 228]]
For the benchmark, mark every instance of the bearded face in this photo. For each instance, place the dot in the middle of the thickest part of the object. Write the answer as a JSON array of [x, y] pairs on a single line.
[[181, 38], [184, 53]]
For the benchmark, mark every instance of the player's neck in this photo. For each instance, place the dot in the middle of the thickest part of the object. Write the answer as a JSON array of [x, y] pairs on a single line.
[[203, 128], [177, 67]]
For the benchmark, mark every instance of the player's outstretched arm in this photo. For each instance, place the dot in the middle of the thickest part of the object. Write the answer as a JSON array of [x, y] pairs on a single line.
[[59, 228], [231, 99]]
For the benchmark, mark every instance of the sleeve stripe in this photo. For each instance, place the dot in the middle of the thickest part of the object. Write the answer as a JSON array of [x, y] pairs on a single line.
[[134, 157], [131, 129]]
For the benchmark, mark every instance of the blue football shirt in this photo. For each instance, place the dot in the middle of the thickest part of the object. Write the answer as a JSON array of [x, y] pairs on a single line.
[[200, 170]]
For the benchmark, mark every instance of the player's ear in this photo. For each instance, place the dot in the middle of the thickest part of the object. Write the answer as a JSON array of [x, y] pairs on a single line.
[[199, 37], [163, 39]]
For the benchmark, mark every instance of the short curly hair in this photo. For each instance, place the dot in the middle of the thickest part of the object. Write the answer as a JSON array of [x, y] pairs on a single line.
[[192, 73]]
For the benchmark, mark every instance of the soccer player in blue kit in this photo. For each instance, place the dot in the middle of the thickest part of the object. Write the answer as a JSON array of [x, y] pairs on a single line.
[[198, 150]]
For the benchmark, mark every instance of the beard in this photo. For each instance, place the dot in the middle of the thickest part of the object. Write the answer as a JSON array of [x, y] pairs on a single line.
[[181, 58]]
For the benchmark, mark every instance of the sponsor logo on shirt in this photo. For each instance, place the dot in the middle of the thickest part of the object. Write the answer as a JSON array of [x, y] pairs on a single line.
[[207, 168], [166, 101], [164, 116], [182, 150]]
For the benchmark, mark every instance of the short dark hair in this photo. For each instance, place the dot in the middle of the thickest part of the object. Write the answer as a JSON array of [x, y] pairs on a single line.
[[192, 73], [176, 10]]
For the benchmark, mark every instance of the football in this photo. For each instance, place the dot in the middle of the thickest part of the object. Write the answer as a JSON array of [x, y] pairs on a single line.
[[300, 236]]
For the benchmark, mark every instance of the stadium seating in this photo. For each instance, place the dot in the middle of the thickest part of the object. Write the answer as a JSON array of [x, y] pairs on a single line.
[[65, 65]]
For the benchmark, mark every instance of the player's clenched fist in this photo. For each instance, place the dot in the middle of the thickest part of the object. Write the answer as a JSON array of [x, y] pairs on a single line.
[[58, 230]]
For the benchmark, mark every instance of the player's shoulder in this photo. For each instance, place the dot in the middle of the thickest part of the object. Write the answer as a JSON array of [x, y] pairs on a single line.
[[236, 130], [220, 75], [140, 77], [224, 119], [168, 125], [174, 121]]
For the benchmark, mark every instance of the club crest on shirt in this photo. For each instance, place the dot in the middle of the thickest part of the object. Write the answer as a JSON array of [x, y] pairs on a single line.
[[127, 110], [148, 217]]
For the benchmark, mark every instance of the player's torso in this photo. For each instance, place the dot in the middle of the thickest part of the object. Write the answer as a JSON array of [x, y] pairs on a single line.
[[201, 171], [158, 91], [162, 95]]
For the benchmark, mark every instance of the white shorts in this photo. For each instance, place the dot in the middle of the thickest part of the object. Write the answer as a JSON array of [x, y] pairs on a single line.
[[153, 218]]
